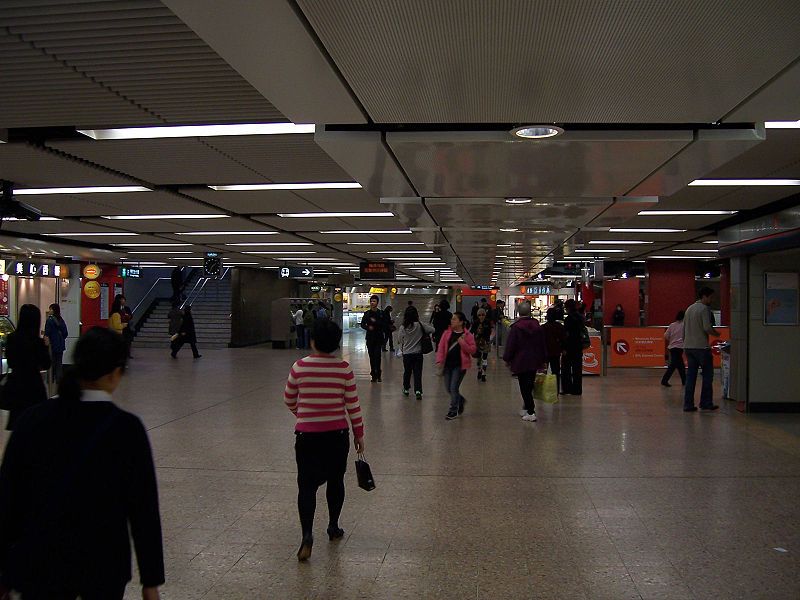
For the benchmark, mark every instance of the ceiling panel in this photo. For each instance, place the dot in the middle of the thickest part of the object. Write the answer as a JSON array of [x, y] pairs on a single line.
[[544, 61], [119, 203], [314, 224], [551, 215], [256, 202], [35, 166]]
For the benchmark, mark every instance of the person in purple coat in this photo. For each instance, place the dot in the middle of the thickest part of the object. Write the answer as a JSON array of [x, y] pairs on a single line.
[[526, 353]]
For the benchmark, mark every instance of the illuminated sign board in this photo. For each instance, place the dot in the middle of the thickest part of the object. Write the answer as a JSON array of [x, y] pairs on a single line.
[[535, 290], [130, 272], [32, 269], [377, 269]]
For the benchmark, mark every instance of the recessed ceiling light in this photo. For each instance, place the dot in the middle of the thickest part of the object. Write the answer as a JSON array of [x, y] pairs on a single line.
[[150, 245], [664, 213], [696, 250], [335, 214], [138, 133], [286, 186], [271, 244], [744, 182], [519, 200], [110, 233], [81, 190], [683, 257], [712, 242], [366, 232], [537, 132], [619, 242], [509, 229], [40, 219], [156, 217], [227, 233], [637, 230], [277, 252], [400, 251], [782, 125]]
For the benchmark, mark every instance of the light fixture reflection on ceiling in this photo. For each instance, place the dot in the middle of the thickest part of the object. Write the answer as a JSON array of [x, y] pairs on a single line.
[[82, 190], [664, 213], [138, 133], [712, 242], [93, 234], [227, 233], [744, 182], [537, 132], [252, 187], [366, 232], [335, 214], [639, 230], [40, 219], [156, 217]]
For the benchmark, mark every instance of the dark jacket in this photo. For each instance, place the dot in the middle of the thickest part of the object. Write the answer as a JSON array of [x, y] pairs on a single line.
[[555, 337], [376, 324], [75, 476], [618, 318], [482, 333], [526, 349], [175, 317], [573, 324], [27, 356], [55, 330], [441, 321], [187, 329]]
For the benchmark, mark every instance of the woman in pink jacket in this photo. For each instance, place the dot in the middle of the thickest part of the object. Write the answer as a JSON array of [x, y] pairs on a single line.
[[454, 357]]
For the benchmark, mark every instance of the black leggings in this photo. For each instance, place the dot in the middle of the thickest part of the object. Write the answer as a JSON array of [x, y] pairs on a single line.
[[321, 458]]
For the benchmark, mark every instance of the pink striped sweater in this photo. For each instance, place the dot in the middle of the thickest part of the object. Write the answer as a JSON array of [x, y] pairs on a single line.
[[319, 391]]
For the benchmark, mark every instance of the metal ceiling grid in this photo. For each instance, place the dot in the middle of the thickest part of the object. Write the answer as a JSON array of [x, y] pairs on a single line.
[[471, 61], [119, 203], [116, 63], [163, 161]]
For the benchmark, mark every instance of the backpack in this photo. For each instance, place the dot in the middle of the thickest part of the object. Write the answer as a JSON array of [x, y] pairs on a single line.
[[322, 313]]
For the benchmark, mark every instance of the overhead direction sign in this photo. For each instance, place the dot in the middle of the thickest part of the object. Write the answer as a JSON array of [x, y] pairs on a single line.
[[295, 272], [377, 269]]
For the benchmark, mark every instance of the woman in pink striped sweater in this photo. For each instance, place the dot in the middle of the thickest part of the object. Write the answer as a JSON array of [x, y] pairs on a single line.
[[321, 392]]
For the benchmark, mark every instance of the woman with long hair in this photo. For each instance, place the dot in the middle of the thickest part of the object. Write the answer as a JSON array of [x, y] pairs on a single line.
[[76, 478], [55, 333], [482, 330], [115, 323], [409, 342], [27, 357], [454, 357]]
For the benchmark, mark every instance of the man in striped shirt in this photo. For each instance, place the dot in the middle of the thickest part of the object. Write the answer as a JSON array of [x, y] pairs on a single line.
[[321, 392]]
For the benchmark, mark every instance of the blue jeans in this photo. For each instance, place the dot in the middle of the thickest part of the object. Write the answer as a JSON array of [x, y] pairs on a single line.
[[699, 358], [452, 379]]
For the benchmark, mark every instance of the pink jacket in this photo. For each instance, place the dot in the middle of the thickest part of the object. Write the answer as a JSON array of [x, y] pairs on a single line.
[[467, 349]]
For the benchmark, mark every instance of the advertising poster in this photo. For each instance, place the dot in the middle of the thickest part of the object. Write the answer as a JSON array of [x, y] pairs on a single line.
[[593, 357], [636, 347], [3, 298], [780, 298]]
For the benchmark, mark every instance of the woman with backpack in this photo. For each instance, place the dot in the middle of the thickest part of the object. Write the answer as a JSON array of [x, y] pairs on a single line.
[[410, 342], [482, 330], [55, 333]]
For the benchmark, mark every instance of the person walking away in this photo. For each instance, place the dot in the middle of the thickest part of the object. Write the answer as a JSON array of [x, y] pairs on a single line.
[[498, 317], [372, 322], [555, 336], [618, 318], [27, 356], [308, 322], [321, 392], [175, 317], [673, 337], [409, 342], [176, 280], [55, 334], [299, 328], [482, 330], [322, 312], [126, 315], [389, 329], [441, 321], [526, 353], [76, 478], [572, 360], [186, 334], [455, 357], [697, 326]]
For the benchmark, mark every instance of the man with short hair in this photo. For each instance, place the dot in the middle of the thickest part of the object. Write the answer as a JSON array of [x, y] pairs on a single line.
[[374, 323], [526, 353], [697, 326]]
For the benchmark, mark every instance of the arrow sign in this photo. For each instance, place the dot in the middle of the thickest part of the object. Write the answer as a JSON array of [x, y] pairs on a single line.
[[296, 272], [307, 272], [622, 347]]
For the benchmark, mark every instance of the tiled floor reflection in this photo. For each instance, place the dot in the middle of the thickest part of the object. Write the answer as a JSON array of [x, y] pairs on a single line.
[[616, 495]]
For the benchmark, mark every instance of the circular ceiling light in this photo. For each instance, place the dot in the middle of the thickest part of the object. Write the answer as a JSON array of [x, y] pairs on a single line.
[[519, 200], [537, 132]]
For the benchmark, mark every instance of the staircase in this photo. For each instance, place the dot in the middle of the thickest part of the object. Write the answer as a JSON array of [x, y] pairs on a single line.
[[211, 307]]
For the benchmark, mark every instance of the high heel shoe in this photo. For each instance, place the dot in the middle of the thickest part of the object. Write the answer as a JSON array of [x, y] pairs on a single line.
[[335, 533], [304, 553]]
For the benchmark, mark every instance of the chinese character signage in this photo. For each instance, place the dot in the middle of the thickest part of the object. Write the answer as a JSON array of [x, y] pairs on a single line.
[[32, 269], [535, 290], [377, 269]]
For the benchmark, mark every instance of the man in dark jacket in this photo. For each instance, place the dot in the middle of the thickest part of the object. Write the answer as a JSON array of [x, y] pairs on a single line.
[[572, 363], [374, 322], [525, 353], [441, 321]]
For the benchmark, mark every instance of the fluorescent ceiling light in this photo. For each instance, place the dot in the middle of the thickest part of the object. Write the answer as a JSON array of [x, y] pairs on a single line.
[[636, 230], [149, 245], [367, 232], [388, 244], [519, 200], [139, 133], [88, 234], [429, 258], [509, 229], [149, 263], [335, 214], [603, 250], [503, 245], [253, 187], [400, 251], [782, 125], [227, 233], [235, 264], [270, 267], [161, 252], [286, 258], [664, 213], [712, 242], [683, 257], [537, 132], [40, 219], [744, 182], [81, 190], [276, 252], [332, 264], [619, 242], [185, 258], [272, 244], [696, 250], [154, 217]]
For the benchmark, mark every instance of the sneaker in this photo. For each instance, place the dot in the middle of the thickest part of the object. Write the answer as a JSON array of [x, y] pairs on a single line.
[[451, 415], [461, 406], [523, 412], [665, 384], [690, 409], [710, 408], [405, 392], [378, 379], [531, 417], [419, 395]]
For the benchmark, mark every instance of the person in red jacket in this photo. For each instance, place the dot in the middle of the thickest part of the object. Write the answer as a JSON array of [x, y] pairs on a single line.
[[454, 357], [525, 353]]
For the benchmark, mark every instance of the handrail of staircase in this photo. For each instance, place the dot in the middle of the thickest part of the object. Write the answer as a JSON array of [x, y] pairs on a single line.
[[152, 287], [189, 300]]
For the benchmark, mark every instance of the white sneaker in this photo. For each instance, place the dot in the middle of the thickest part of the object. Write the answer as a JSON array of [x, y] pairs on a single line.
[[528, 417], [523, 413]]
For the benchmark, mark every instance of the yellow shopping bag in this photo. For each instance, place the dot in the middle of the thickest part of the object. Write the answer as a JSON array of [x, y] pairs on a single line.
[[545, 388]]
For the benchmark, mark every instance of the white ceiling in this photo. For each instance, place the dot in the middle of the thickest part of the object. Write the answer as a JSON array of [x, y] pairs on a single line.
[[413, 100]]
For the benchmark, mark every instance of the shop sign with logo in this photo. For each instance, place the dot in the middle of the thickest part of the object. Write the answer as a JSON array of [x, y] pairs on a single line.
[[32, 269], [130, 272], [378, 290], [91, 271], [483, 287], [535, 290], [316, 288], [92, 290]]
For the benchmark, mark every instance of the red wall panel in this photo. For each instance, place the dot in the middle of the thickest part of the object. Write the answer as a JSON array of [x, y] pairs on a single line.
[[670, 288], [90, 307], [624, 292]]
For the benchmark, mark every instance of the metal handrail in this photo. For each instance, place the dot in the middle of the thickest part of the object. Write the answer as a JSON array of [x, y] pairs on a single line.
[[152, 287], [205, 281]]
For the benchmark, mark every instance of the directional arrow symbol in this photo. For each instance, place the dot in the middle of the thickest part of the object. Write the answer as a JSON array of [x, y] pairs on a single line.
[[306, 272], [621, 347]]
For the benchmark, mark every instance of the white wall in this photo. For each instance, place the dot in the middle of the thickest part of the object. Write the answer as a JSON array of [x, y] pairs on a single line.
[[774, 350], [70, 303]]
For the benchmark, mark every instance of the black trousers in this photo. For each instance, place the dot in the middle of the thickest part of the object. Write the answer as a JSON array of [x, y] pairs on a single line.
[[555, 369], [388, 339], [675, 364], [572, 373], [178, 344], [374, 348], [412, 363], [321, 458], [526, 381], [111, 592]]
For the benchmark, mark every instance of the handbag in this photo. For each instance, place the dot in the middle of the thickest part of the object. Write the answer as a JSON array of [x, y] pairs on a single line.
[[364, 474], [426, 343], [545, 388], [5, 402]]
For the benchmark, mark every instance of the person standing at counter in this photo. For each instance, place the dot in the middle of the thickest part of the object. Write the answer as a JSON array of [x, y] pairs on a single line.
[[618, 318], [555, 337], [697, 326], [374, 323], [55, 333], [674, 338], [572, 361]]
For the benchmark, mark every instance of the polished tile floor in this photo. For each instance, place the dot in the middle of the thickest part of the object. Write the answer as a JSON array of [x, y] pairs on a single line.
[[616, 495]]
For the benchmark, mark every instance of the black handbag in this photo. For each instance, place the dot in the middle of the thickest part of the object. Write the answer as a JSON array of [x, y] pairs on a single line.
[[364, 474], [426, 344], [6, 401]]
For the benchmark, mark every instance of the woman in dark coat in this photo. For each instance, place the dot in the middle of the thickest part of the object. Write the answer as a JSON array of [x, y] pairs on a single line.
[[186, 334], [27, 356]]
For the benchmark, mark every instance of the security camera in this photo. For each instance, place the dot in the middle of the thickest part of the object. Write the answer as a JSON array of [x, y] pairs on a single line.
[[14, 209]]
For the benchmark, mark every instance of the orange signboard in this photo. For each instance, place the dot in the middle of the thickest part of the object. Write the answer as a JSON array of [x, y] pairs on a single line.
[[724, 337], [645, 347], [593, 357], [91, 271]]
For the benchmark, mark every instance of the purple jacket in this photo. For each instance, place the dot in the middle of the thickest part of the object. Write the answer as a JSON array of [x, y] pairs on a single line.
[[526, 349]]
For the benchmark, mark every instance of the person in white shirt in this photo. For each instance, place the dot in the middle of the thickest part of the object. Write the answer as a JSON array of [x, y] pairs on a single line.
[[299, 327], [674, 338], [697, 326]]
